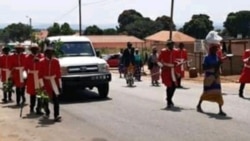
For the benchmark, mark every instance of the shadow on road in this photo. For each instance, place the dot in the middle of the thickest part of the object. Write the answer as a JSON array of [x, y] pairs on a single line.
[[225, 94], [31, 116], [82, 96], [219, 117], [173, 109], [126, 86], [45, 122], [245, 98], [99, 139], [13, 106]]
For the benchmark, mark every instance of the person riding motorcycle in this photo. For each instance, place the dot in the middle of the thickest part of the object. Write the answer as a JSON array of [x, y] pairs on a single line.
[[128, 59]]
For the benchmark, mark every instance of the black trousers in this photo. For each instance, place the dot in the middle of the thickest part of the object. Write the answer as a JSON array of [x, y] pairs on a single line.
[[179, 81], [20, 94], [242, 86], [55, 101], [170, 93], [33, 100], [7, 95]]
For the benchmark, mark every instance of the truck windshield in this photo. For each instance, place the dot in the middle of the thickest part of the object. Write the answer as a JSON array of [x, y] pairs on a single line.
[[77, 49]]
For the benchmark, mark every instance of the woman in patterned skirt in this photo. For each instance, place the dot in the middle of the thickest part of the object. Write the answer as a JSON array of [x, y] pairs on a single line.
[[211, 65]]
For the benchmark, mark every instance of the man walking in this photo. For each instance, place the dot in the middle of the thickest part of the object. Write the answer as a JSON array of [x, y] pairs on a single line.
[[6, 67], [33, 66], [182, 59], [19, 73], [167, 60], [51, 73], [245, 74]]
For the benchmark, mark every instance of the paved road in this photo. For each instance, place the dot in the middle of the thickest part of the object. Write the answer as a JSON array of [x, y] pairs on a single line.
[[137, 114]]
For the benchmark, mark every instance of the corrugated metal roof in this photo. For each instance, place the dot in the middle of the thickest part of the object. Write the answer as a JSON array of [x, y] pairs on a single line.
[[114, 39], [177, 36]]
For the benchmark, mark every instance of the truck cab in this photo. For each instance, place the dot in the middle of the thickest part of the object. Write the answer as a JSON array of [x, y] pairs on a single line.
[[80, 67]]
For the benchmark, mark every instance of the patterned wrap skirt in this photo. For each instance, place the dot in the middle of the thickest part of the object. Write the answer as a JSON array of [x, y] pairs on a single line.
[[212, 88]]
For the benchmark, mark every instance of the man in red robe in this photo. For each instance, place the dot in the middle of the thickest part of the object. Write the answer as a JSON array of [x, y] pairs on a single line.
[[245, 75], [182, 59], [51, 74], [167, 60], [18, 72], [33, 79], [6, 67]]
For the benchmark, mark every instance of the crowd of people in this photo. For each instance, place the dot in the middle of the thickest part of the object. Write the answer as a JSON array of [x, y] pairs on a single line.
[[169, 65], [35, 72], [31, 73]]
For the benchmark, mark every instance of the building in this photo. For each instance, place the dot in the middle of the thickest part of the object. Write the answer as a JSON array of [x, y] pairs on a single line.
[[160, 38], [115, 41]]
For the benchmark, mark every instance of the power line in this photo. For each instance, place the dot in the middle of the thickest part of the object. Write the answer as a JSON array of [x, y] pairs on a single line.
[[71, 10], [84, 4]]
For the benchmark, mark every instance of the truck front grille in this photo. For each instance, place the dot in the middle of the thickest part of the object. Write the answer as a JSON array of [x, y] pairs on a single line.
[[81, 69]]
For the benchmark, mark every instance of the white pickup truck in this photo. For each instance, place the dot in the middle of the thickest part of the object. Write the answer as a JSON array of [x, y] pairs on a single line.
[[80, 66]]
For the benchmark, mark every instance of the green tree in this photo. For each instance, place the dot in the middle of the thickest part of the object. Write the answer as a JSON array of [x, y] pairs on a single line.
[[93, 30], [165, 21], [198, 26], [54, 30], [238, 23], [143, 28], [16, 32], [127, 17], [66, 29], [109, 31]]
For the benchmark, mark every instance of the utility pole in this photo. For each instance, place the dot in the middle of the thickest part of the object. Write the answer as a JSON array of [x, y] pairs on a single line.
[[171, 25], [80, 17], [30, 21]]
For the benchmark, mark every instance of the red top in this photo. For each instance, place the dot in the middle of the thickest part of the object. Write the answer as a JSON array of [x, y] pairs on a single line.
[[245, 75], [169, 57], [33, 66], [181, 56], [50, 68], [18, 65], [5, 64]]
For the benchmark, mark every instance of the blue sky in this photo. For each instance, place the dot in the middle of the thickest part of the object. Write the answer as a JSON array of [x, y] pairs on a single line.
[[106, 12]]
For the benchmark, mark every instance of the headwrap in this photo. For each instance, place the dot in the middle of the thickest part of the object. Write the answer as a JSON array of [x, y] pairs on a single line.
[[212, 38]]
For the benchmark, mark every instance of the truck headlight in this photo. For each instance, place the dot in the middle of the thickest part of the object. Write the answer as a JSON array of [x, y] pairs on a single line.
[[103, 67], [64, 70]]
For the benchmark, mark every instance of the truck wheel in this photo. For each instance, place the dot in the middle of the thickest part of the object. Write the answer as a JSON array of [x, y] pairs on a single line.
[[103, 90]]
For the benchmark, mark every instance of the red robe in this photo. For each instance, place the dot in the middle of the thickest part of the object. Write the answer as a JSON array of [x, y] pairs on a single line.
[[181, 57], [168, 57], [5, 66], [50, 72], [33, 77], [18, 65], [245, 74]]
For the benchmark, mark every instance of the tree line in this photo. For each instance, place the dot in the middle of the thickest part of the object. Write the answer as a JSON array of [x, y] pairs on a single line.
[[131, 22]]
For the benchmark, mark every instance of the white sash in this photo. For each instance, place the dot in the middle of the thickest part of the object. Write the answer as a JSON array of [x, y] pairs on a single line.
[[53, 83], [181, 62], [36, 79], [246, 59], [7, 72], [172, 70], [247, 66], [173, 75], [20, 71]]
